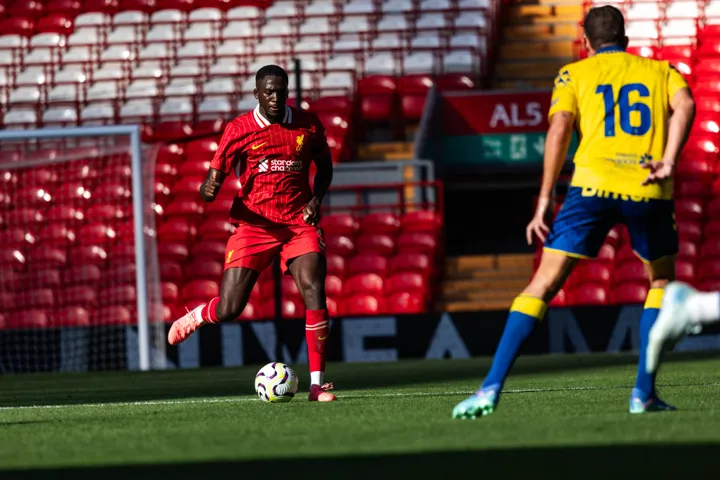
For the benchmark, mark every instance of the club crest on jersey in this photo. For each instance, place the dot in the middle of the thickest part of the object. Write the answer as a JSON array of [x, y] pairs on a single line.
[[300, 140]]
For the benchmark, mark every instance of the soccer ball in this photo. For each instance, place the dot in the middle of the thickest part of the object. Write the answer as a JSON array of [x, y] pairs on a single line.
[[276, 382]]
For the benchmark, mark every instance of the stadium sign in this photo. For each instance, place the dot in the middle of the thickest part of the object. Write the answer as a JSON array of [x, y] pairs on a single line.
[[368, 339]]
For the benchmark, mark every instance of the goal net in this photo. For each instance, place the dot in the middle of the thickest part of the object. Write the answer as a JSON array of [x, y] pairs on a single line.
[[79, 283]]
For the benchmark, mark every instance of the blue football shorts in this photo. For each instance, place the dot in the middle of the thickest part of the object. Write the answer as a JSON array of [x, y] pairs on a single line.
[[587, 216]]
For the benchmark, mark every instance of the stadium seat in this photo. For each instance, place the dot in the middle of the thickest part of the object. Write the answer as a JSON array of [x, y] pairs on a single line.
[[42, 298], [45, 278], [367, 263], [12, 258], [209, 250], [685, 271], [289, 287], [216, 229], [560, 299], [27, 319], [588, 294], [362, 305], [80, 295], [412, 242], [171, 271], [332, 306], [95, 234], [381, 244], [687, 250], [172, 252], [293, 308], [112, 315], [426, 221], [381, 222], [205, 269], [333, 286], [203, 290], [689, 209], [630, 293], [411, 262], [16, 238], [340, 245], [70, 317], [177, 228], [591, 271], [340, 224], [48, 257], [335, 265], [82, 274], [405, 303], [120, 273], [117, 295], [710, 249], [633, 272], [370, 283], [693, 231], [378, 98]]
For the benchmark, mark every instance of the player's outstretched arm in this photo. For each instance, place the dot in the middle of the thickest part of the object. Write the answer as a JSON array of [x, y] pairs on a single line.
[[321, 185], [211, 186], [557, 142]]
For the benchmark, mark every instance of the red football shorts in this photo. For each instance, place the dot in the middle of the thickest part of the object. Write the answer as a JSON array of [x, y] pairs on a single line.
[[255, 247]]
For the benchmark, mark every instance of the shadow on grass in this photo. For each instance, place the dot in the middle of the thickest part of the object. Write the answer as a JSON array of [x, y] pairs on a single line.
[[109, 387], [664, 461]]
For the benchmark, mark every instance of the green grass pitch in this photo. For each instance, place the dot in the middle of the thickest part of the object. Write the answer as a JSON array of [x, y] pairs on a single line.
[[561, 417]]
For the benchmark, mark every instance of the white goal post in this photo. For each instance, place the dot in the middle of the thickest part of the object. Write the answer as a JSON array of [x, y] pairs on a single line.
[[111, 143]]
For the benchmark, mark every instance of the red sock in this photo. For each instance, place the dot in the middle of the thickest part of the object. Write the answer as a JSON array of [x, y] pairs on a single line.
[[317, 330], [208, 313]]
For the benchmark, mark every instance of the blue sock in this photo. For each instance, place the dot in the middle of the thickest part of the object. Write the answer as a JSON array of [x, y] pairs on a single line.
[[645, 382], [524, 314]]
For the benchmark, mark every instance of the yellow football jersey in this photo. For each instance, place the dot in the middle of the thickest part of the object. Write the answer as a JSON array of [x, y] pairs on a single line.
[[621, 104]]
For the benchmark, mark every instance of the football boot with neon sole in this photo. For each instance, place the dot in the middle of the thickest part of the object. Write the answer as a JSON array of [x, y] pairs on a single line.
[[672, 324], [320, 393], [481, 403], [185, 326], [652, 404]]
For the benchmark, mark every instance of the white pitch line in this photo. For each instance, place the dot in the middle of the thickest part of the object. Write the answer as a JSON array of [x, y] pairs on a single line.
[[190, 401]]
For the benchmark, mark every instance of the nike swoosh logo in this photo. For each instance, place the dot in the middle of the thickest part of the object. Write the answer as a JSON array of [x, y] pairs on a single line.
[[322, 338], [255, 147]]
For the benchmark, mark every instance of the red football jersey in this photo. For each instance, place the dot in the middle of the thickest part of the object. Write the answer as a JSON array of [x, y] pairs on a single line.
[[272, 161]]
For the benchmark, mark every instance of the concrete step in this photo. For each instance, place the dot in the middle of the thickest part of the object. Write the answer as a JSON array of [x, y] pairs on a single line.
[[560, 11], [549, 48], [472, 285], [386, 151], [469, 264], [504, 295], [533, 31], [530, 69]]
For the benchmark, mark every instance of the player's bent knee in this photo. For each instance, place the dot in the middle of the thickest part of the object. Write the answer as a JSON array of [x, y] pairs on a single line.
[[229, 311]]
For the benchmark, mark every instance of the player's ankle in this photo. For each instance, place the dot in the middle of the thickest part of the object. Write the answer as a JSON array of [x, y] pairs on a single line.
[[317, 378]]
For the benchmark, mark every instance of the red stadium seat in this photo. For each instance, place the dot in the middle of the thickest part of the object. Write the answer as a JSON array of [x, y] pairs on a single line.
[[417, 243], [454, 81], [221, 206], [187, 187], [339, 245], [367, 263], [193, 168], [122, 253], [16, 238], [56, 234], [47, 257], [293, 308], [364, 283], [685, 271], [84, 296], [33, 197], [95, 234], [332, 306], [411, 262], [378, 98], [421, 221], [27, 8], [216, 229], [70, 317], [89, 254], [625, 255], [335, 265], [121, 273], [209, 250], [407, 282], [118, 295], [709, 270], [687, 250], [45, 278], [70, 7], [710, 248], [692, 231], [630, 293], [333, 286], [169, 292], [55, 23], [31, 217], [589, 294], [28, 319], [362, 305], [204, 290], [689, 209], [105, 212], [693, 167], [22, 27], [289, 287], [65, 214], [201, 150], [378, 243], [170, 271], [341, 105], [413, 90], [72, 193], [172, 252], [82, 274], [380, 222], [560, 299], [8, 278], [591, 271], [404, 303], [185, 207], [176, 228], [12, 258], [39, 176], [205, 269], [634, 272], [713, 209], [340, 224], [7, 302], [112, 315], [264, 288]]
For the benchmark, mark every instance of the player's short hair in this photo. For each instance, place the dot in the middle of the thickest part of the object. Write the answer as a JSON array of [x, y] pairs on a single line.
[[271, 71], [604, 26]]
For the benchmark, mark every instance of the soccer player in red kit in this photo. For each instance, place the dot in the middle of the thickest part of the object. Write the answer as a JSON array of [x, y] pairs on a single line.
[[270, 150]]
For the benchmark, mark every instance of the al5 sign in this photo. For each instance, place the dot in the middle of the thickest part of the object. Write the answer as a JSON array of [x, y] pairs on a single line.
[[489, 112]]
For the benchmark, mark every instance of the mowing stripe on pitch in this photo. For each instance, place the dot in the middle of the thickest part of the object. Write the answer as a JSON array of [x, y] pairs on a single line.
[[190, 401]]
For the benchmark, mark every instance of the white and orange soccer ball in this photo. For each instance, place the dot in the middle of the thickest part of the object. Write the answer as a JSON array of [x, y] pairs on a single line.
[[276, 382]]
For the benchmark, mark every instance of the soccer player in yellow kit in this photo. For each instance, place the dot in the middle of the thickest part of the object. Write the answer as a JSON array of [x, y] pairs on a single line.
[[624, 165]]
